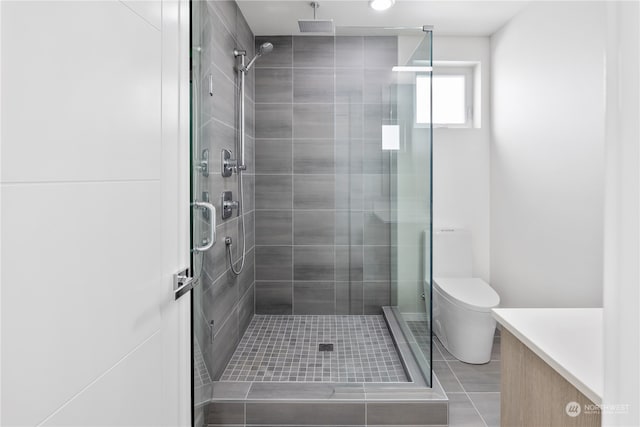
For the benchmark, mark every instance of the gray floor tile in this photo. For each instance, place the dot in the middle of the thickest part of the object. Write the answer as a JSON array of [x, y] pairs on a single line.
[[448, 381], [476, 378], [488, 404], [443, 351], [461, 411]]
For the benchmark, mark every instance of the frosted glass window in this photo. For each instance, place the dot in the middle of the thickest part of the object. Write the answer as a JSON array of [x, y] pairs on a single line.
[[449, 100]]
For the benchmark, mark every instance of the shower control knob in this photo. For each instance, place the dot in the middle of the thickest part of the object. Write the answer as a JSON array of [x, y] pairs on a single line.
[[228, 241]]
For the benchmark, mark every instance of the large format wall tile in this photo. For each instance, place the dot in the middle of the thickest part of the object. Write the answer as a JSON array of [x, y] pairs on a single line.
[[274, 191], [313, 192], [313, 227], [226, 299], [313, 120], [322, 173], [313, 52], [349, 52], [313, 85], [313, 156], [274, 262], [273, 85], [273, 120], [314, 297], [274, 156], [313, 263], [274, 227], [274, 297], [280, 56]]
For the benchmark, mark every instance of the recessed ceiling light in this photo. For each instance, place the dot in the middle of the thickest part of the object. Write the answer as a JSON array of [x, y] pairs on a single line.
[[381, 4]]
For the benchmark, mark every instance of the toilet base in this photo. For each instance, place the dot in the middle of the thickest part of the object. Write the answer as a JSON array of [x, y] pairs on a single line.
[[466, 334]]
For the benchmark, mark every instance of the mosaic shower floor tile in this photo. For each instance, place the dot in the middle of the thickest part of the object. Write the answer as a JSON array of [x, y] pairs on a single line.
[[292, 348]]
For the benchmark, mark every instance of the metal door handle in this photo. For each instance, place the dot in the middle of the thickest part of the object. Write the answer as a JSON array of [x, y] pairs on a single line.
[[182, 283], [212, 230]]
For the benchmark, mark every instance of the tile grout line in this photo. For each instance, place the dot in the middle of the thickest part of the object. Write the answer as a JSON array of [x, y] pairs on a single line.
[[464, 390]]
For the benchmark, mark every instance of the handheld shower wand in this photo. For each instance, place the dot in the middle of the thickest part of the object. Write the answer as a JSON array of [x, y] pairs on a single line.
[[240, 163]]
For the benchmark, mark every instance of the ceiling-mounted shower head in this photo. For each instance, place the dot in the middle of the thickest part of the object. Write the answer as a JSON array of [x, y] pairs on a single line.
[[316, 25]]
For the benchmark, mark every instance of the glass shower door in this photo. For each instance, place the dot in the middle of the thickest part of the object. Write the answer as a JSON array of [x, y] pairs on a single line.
[[203, 221]]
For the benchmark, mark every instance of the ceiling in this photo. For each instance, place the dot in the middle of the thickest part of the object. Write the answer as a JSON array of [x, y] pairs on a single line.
[[452, 17]]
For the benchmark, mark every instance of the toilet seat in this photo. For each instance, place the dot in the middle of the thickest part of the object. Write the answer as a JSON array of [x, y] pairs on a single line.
[[468, 292]]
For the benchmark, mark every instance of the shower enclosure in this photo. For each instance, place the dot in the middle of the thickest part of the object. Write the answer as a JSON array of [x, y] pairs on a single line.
[[334, 211]]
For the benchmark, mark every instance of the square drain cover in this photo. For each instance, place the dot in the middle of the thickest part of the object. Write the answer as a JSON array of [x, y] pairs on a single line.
[[325, 347]]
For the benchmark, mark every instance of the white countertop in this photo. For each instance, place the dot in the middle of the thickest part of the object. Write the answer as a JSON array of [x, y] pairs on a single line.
[[570, 340]]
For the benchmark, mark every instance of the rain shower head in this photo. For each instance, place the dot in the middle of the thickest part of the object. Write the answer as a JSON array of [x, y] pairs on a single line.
[[316, 25]]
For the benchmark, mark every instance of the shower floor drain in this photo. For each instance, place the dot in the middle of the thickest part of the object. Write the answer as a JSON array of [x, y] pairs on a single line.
[[325, 347]]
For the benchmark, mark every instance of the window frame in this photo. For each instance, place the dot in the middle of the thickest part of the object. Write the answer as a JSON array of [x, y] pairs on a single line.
[[467, 72]]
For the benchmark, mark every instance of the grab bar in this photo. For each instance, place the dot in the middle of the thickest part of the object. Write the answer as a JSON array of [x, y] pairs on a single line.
[[212, 228]]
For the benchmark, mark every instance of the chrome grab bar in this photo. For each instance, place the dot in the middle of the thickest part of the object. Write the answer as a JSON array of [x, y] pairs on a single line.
[[212, 228]]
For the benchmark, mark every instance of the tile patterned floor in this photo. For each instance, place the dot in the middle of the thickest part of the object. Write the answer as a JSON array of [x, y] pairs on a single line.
[[285, 348], [201, 373], [473, 390]]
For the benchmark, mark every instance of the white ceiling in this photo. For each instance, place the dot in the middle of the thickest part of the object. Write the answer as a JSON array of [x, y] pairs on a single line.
[[452, 17]]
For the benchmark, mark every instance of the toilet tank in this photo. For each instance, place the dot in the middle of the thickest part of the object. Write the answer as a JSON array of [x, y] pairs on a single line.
[[452, 255]]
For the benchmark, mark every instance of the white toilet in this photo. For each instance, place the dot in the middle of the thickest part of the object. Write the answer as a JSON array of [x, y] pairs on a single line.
[[462, 304]]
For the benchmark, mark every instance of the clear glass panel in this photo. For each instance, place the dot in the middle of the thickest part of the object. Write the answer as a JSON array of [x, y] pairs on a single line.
[[411, 199], [383, 179]]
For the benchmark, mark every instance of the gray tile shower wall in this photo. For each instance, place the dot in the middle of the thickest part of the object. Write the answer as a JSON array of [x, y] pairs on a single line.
[[322, 178], [223, 298]]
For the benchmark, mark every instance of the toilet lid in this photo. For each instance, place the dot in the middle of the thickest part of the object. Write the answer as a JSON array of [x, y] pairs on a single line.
[[472, 293]]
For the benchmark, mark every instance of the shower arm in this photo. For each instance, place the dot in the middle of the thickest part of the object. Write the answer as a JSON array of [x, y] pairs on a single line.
[[240, 164]]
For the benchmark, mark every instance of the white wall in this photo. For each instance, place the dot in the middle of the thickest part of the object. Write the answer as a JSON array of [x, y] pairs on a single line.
[[547, 166], [460, 172], [89, 190], [622, 215], [461, 158]]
